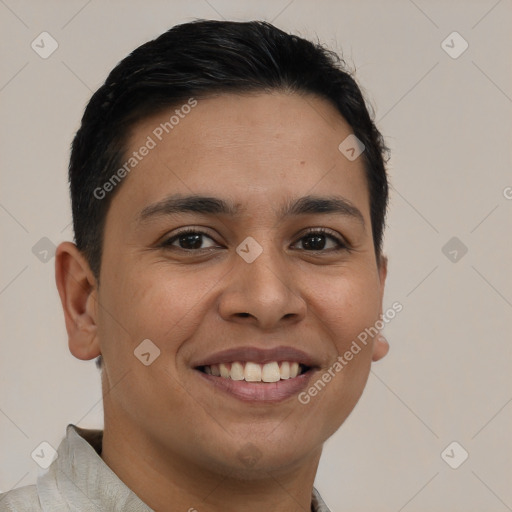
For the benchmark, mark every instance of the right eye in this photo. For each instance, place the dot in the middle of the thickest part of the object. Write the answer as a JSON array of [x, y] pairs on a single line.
[[187, 240]]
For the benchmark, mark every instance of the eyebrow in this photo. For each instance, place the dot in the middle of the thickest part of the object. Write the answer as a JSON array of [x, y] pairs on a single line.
[[208, 205]]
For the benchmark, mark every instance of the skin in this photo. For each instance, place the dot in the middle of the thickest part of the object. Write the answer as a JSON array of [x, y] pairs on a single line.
[[169, 436]]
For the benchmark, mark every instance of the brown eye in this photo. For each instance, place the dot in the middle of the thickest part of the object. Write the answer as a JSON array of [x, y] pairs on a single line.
[[189, 240], [319, 239]]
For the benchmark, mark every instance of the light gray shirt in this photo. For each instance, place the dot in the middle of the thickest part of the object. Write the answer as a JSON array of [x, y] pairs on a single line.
[[78, 480]]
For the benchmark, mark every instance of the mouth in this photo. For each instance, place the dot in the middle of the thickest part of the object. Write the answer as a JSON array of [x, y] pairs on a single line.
[[248, 371], [258, 375]]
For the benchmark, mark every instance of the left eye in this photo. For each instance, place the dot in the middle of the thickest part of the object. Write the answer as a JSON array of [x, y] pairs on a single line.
[[317, 240]]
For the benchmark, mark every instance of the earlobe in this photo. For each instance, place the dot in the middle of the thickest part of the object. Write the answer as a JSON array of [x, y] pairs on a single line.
[[380, 343], [380, 347], [78, 294]]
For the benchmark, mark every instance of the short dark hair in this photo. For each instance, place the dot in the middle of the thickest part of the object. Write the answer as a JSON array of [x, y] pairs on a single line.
[[200, 59]]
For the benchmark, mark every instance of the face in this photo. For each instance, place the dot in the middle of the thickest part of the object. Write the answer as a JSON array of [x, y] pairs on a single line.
[[268, 273]]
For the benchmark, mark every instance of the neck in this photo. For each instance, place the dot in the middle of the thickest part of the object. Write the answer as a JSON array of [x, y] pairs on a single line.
[[166, 481]]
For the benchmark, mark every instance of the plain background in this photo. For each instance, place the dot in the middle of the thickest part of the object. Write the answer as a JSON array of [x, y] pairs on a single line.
[[448, 123]]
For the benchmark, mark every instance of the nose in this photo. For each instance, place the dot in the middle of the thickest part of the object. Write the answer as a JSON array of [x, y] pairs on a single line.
[[262, 293]]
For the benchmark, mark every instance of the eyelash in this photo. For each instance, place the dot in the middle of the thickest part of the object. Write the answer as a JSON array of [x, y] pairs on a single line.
[[342, 246]]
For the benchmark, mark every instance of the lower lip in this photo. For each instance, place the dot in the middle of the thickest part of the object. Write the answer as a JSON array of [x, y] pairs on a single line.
[[260, 391]]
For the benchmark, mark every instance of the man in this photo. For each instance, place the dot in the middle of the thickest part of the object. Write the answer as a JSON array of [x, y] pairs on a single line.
[[229, 196]]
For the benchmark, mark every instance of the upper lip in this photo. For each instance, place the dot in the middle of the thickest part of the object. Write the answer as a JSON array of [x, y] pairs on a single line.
[[258, 355]]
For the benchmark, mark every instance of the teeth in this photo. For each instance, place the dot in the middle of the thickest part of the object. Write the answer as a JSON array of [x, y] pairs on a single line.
[[237, 371], [285, 370], [270, 372], [224, 370], [254, 372]]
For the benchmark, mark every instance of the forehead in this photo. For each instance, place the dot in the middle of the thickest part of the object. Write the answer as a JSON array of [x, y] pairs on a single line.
[[250, 148]]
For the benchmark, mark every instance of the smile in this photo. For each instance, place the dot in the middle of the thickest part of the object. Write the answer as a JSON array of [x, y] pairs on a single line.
[[257, 375], [273, 371]]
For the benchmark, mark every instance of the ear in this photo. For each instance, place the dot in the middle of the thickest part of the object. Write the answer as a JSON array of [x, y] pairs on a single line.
[[380, 344], [78, 294]]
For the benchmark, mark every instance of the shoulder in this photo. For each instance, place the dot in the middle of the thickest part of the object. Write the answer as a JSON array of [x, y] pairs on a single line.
[[22, 499]]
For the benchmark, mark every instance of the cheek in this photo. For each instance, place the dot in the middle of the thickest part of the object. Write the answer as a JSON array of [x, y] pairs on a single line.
[[347, 308], [137, 305], [347, 305], [154, 302]]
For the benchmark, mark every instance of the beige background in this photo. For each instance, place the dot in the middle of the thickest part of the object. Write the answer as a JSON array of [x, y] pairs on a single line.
[[448, 122]]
